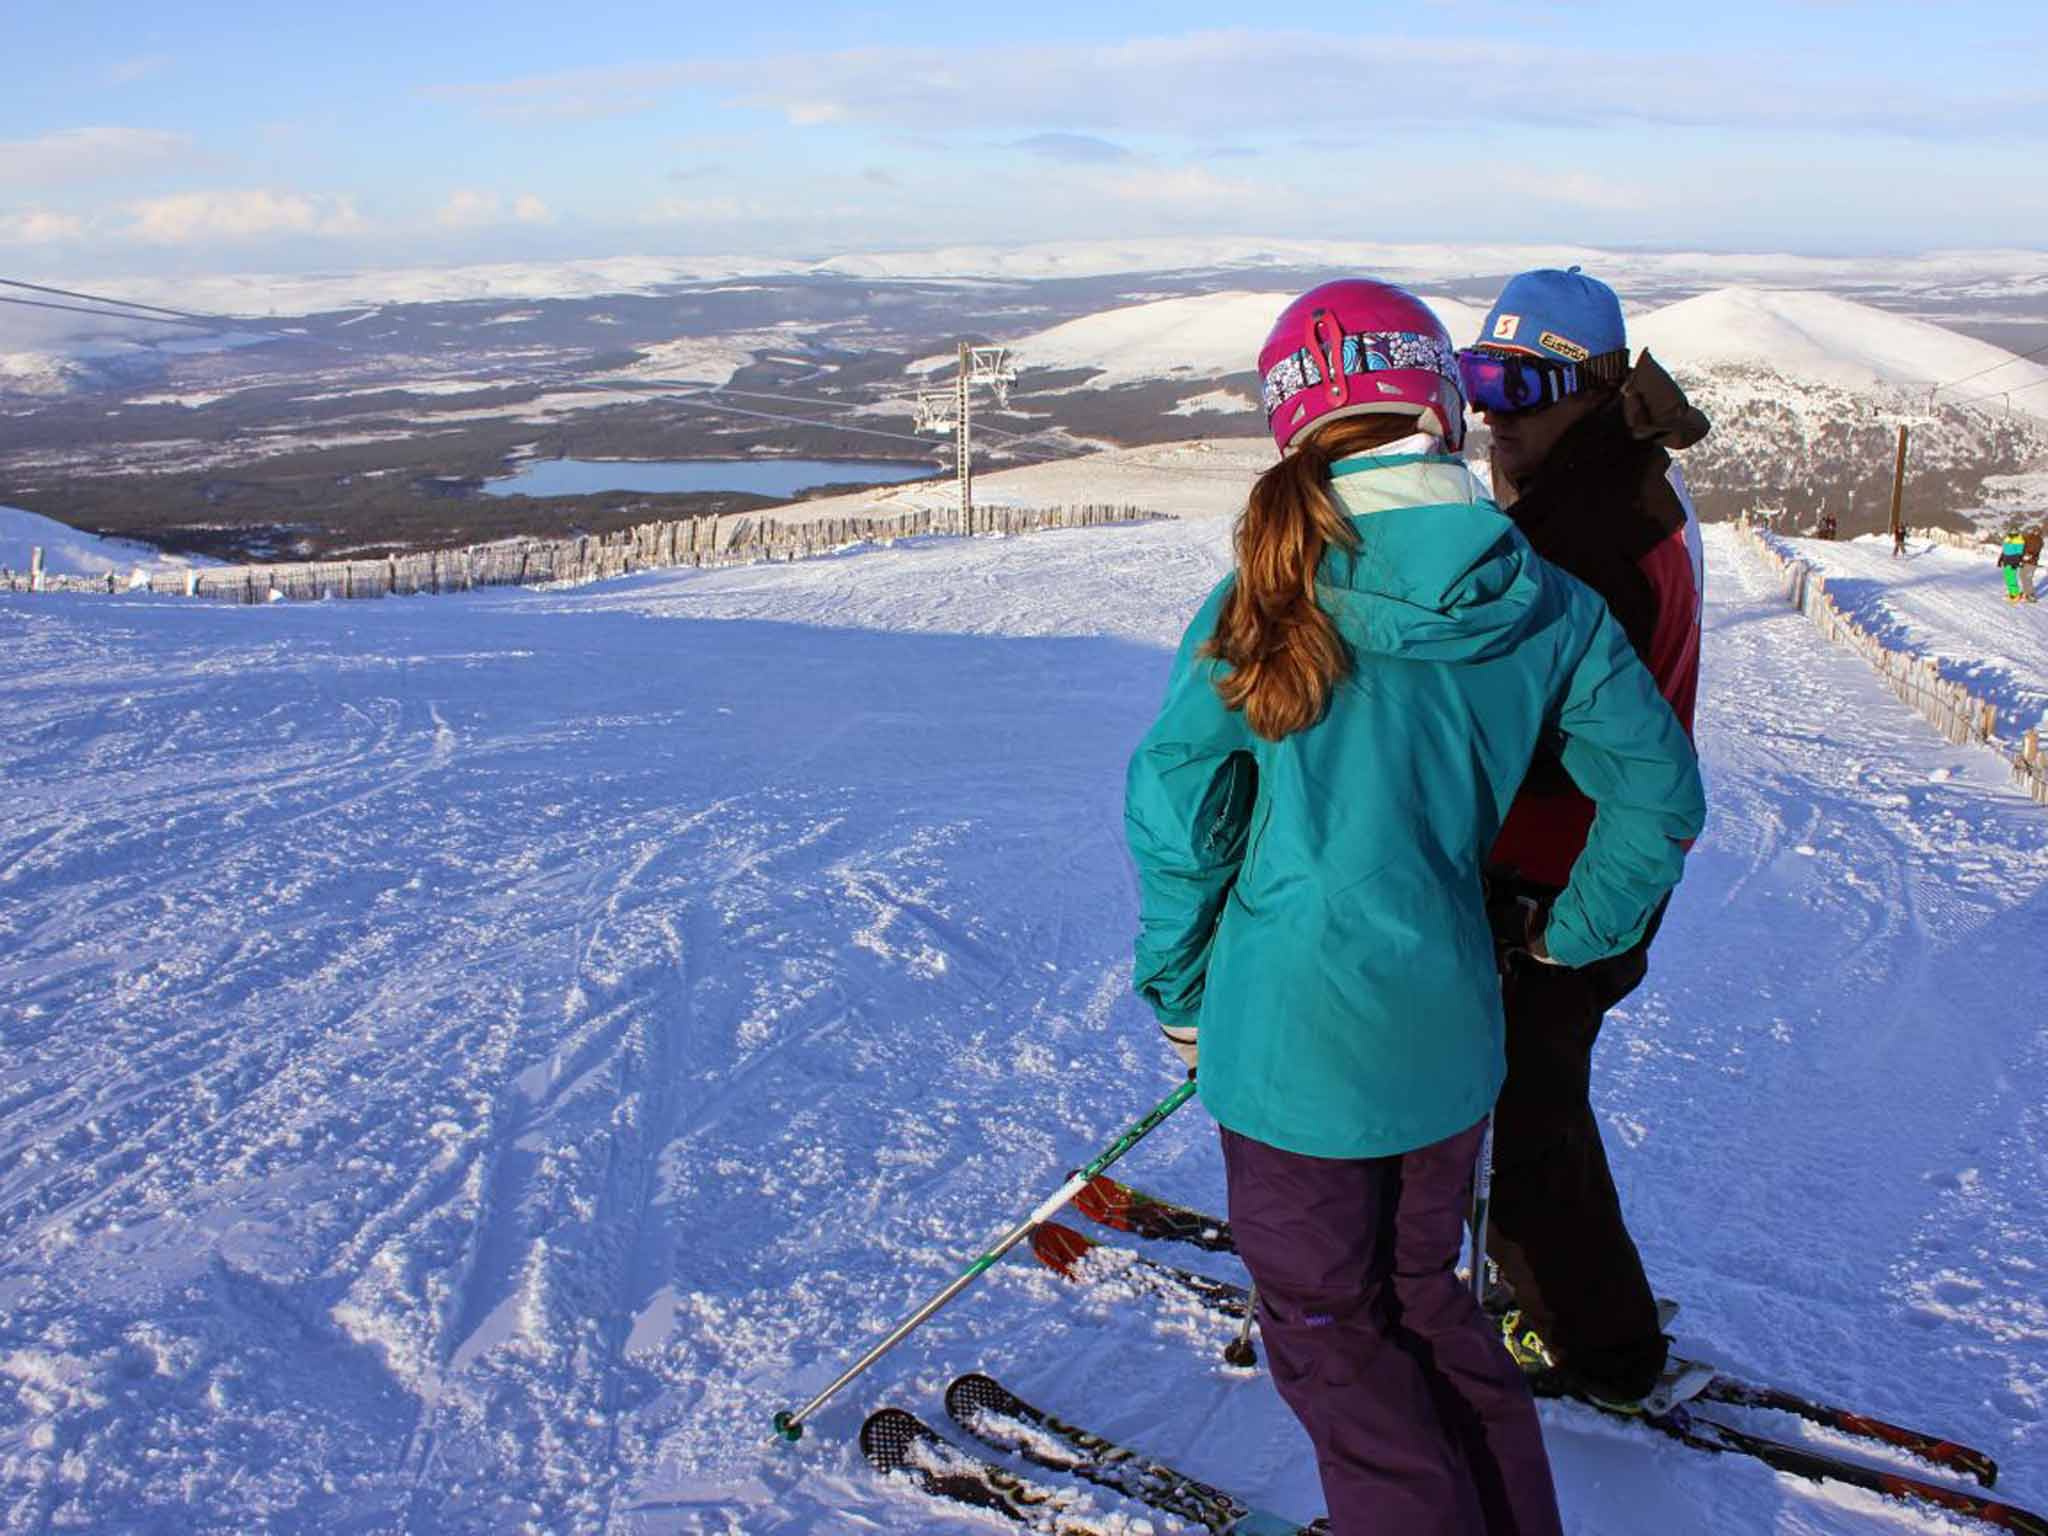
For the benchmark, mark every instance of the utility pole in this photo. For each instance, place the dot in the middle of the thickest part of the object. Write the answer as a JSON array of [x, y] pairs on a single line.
[[963, 446], [1899, 486]]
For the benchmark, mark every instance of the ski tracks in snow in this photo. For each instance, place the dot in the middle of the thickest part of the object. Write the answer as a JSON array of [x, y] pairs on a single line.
[[1827, 1046], [477, 1059]]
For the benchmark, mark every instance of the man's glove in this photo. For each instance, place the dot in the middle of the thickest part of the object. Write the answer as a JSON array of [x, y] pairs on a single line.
[[1518, 922], [1182, 1038]]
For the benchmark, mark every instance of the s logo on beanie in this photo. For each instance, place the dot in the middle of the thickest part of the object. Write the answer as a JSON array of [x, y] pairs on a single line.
[[1505, 326]]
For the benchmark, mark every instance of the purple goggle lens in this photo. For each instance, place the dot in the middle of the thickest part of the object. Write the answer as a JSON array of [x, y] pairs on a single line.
[[1506, 382]]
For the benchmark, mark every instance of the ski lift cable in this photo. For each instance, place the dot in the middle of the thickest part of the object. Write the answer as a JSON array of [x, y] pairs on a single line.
[[108, 314], [97, 298], [1999, 394], [2017, 357]]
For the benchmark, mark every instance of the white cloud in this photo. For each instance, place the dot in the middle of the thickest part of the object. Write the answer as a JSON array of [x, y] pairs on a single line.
[[706, 210], [1172, 84], [809, 114], [1186, 187], [200, 218], [1579, 189], [467, 208], [77, 154], [37, 226]]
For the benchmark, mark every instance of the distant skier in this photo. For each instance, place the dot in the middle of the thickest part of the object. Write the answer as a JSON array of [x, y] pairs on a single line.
[[2030, 564], [1898, 540], [1346, 721], [1580, 462], [2011, 557], [1829, 527]]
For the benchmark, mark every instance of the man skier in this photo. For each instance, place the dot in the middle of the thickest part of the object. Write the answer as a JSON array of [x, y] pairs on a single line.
[[1580, 464], [2030, 563]]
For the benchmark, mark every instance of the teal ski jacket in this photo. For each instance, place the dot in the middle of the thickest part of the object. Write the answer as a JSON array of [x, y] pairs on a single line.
[[1314, 904]]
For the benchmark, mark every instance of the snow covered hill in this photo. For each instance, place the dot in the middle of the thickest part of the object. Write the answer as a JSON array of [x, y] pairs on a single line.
[[68, 552], [471, 1060], [1201, 337], [1824, 338], [1807, 392]]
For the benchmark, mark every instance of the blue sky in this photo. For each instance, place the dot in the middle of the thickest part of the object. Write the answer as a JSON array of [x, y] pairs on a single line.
[[214, 136]]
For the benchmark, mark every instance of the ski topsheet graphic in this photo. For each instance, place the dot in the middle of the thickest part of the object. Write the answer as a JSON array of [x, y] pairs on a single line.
[[1105, 1265]]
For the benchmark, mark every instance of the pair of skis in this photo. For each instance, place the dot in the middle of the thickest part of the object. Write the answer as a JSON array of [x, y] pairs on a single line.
[[1121, 1207], [896, 1441]]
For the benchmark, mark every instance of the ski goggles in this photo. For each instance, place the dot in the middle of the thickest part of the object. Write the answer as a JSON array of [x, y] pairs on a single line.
[[1507, 382]]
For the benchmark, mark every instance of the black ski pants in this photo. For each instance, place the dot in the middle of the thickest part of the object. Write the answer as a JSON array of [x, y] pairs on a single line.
[[1557, 1230]]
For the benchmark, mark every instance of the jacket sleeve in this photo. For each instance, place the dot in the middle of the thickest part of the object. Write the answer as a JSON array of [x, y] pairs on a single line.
[[1187, 807], [1627, 751]]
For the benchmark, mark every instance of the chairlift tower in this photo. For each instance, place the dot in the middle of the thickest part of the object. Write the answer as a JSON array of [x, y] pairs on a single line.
[[989, 366]]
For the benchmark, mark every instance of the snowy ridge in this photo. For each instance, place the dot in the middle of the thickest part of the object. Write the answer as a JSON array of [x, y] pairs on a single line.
[[1824, 338], [1986, 274], [1204, 336]]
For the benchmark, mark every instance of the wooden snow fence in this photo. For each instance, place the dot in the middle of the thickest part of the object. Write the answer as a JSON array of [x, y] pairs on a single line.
[[694, 542], [1960, 715]]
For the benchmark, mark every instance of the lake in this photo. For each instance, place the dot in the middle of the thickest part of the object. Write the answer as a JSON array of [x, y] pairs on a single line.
[[761, 477]]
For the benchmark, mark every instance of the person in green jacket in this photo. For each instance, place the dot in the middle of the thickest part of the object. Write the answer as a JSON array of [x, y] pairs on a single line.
[[2011, 556], [1345, 724]]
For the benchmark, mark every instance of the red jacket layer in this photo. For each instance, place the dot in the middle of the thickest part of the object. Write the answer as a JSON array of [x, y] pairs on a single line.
[[1611, 508]]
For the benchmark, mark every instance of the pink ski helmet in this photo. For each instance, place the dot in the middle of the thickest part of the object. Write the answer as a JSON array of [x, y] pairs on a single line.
[[1357, 347]]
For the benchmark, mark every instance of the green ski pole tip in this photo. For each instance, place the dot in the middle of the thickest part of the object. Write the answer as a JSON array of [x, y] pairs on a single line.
[[788, 1428]]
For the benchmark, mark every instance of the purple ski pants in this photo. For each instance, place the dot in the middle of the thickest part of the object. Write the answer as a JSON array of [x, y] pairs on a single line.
[[1422, 1424]]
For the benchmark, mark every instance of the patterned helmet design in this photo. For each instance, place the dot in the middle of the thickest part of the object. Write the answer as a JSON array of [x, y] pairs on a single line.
[[1358, 347]]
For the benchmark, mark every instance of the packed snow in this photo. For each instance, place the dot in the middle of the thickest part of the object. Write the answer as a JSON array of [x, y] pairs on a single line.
[[1949, 604], [471, 1060], [69, 552]]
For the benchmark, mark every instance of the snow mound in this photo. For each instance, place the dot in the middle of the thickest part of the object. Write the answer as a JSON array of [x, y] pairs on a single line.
[[1202, 337], [1831, 340], [69, 552]]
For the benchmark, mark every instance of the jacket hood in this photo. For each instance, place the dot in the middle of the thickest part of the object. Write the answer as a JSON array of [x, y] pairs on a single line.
[[1440, 572], [1655, 409]]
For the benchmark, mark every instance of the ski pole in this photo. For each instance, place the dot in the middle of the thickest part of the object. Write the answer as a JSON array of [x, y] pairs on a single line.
[[1482, 1198], [790, 1425]]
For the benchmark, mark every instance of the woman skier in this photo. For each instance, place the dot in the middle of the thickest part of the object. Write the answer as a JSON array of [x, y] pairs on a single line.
[[1348, 718]]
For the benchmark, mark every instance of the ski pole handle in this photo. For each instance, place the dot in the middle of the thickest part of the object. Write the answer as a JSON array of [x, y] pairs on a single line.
[[789, 1425]]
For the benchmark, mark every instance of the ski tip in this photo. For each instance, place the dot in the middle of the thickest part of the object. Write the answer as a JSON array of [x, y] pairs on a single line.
[[1059, 1248], [887, 1436], [1103, 1199], [974, 1394]]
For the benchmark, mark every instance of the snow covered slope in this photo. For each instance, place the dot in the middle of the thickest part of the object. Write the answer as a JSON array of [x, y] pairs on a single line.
[[1827, 339], [67, 551], [470, 1060], [1201, 337], [1949, 604], [1807, 392]]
